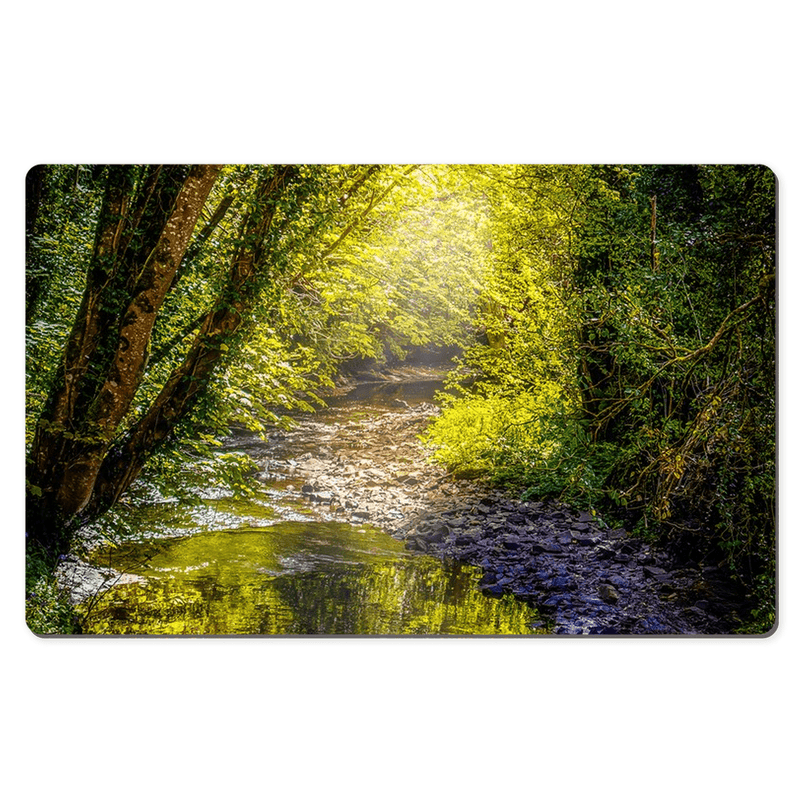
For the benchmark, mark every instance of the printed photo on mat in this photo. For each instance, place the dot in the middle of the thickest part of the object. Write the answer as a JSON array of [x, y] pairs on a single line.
[[400, 400]]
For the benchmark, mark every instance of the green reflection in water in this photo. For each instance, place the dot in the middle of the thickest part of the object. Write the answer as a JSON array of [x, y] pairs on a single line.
[[295, 578]]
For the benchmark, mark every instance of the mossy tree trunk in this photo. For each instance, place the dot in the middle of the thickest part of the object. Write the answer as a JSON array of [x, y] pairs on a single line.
[[146, 221], [190, 379]]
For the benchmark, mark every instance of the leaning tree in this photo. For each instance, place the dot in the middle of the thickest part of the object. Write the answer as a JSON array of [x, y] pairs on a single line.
[[92, 437]]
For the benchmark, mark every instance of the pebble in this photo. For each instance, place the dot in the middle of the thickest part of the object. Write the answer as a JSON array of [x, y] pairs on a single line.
[[585, 577]]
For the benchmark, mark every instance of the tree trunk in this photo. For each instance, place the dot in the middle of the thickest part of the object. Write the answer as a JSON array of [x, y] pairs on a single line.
[[187, 382], [144, 228]]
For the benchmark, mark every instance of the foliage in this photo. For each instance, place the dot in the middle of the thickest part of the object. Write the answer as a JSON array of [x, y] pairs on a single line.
[[407, 278], [618, 325], [646, 297], [522, 394], [273, 281], [59, 241], [47, 609], [677, 352]]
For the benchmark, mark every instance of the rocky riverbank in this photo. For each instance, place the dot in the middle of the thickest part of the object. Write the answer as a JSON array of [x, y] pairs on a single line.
[[367, 465]]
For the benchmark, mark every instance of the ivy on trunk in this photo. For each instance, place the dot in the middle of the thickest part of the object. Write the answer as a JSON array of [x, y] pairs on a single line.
[[145, 224]]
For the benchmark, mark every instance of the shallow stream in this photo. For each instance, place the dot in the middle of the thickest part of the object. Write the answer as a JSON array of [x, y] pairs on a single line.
[[276, 564]]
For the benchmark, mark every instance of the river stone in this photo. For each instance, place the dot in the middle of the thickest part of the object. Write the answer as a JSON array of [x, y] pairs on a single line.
[[417, 543], [522, 546], [564, 599], [584, 538], [608, 593], [314, 465], [562, 582], [656, 572], [651, 625], [82, 580]]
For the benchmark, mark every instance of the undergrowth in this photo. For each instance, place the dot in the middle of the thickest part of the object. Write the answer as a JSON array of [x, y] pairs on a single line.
[[47, 608]]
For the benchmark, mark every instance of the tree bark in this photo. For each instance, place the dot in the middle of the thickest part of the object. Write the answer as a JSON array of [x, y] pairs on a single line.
[[187, 382], [144, 228]]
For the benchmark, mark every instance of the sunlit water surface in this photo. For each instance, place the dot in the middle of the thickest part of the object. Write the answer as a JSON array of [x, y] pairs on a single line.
[[262, 566], [295, 578]]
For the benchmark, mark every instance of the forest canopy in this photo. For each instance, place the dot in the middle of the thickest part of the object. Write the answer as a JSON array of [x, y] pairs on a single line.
[[614, 325]]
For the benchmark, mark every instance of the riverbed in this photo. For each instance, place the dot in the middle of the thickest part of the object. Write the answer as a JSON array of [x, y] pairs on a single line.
[[296, 558], [353, 530]]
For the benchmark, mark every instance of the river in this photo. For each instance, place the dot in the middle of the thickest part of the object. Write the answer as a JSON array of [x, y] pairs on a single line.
[[294, 559]]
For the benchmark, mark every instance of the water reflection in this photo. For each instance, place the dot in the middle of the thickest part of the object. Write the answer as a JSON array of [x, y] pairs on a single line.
[[229, 566], [295, 578]]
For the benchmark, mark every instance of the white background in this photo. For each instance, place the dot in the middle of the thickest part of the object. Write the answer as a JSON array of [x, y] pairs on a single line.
[[421, 81]]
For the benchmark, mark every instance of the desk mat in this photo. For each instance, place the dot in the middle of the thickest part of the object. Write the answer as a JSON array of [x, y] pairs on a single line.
[[400, 400]]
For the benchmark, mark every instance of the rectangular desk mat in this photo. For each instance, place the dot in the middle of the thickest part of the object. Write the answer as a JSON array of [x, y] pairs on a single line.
[[400, 400]]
